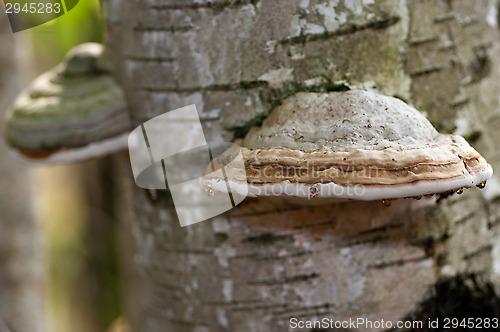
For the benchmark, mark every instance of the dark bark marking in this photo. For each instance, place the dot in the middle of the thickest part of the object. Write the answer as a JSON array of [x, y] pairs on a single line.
[[303, 38], [480, 66], [426, 70], [215, 5], [319, 223], [221, 237], [149, 59], [422, 40], [465, 218], [398, 262], [474, 136], [261, 307], [200, 251], [460, 102], [233, 302], [498, 14], [284, 280], [166, 270], [266, 257], [372, 240], [445, 17], [265, 213], [480, 250], [382, 228], [244, 85], [304, 308], [429, 242], [267, 239], [164, 28]]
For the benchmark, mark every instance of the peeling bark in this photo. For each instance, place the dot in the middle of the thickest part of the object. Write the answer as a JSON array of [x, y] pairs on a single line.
[[268, 260]]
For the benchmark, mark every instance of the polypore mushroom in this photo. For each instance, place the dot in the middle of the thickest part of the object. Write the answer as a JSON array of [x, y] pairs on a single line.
[[352, 145], [73, 112]]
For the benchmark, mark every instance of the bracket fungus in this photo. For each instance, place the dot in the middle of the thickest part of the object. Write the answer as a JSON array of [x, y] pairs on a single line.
[[73, 112], [351, 145]]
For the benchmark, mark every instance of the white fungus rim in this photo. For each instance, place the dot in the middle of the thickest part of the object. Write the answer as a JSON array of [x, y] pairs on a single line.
[[357, 191], [90, 151]]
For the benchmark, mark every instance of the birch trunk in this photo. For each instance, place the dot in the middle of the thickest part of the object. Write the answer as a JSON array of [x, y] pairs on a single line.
[[267, 261], [21, 261]]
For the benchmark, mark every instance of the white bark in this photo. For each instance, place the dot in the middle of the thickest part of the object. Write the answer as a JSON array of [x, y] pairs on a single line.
[[257, 266]]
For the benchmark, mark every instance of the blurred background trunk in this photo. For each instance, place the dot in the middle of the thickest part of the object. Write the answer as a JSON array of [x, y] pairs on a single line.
[[21, 258], [58, 263], [269, 260]]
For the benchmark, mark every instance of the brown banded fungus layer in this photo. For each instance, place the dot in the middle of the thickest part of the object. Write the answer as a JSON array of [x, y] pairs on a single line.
[[354, 144]]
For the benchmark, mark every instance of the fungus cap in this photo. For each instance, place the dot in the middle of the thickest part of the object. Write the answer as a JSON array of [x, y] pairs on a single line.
[[73, 112], [355, 145]]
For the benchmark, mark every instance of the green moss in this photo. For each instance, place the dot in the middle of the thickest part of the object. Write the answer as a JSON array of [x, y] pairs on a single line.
[[253, 84], [77, 97], [474, 136], [241, 131]]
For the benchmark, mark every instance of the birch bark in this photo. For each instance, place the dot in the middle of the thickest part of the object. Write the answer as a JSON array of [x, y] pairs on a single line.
[[258, 266]]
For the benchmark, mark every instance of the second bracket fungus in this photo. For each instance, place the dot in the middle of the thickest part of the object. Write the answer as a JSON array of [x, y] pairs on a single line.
[[74, 112], [352, 145]]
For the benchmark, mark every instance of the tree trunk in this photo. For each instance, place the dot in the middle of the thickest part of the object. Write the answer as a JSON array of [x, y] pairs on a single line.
[[21, 261], [270, 260]]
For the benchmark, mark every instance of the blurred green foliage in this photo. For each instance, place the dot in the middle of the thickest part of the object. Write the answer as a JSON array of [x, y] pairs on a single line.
[[52, 40]]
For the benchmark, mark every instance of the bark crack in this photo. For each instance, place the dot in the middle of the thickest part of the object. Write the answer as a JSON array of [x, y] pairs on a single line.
[[213, 4], [378, 24], [398, 262], [164, 28], [284, 280]]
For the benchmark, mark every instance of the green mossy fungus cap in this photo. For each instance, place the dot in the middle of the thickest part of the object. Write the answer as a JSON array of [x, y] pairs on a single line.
[[73, 107]]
